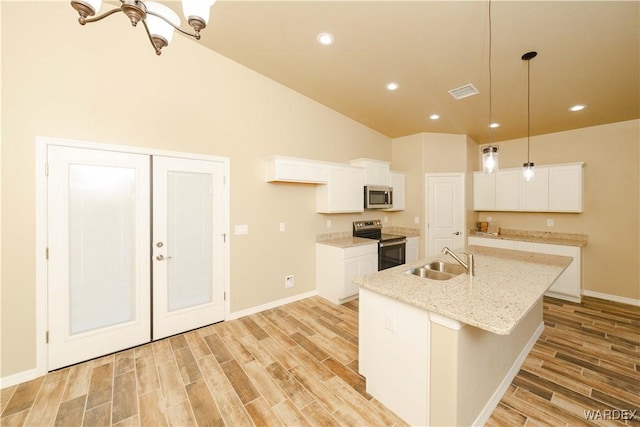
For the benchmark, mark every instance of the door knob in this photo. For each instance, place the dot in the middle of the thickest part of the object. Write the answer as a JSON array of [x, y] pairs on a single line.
[[162, 258], [457, 233]]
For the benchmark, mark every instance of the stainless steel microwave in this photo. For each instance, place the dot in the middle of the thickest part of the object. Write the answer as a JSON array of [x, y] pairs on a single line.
[[378, 197]]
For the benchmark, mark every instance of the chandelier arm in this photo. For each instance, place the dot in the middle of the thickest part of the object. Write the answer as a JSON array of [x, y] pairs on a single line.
[[194, 35], [146, 29], [99, 17]]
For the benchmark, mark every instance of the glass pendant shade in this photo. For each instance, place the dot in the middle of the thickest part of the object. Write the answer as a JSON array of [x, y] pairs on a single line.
[[158, 27], [197, 8], [528, 171], [95, 4], [490, 159]]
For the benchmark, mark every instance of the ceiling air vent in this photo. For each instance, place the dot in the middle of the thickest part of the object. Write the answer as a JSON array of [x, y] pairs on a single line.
[[464, 91]]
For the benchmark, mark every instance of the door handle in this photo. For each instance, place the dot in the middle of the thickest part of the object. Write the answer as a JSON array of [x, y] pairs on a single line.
[[457, 233], [162, 258]]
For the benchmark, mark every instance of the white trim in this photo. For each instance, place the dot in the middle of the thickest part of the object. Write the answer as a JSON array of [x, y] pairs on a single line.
[[18, 378], [42, 144], [506, 382], [609, 297], [270, 305], [446, 322]]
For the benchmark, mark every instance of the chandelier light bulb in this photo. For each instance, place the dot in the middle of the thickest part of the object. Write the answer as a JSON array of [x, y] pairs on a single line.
[[528, 171], [490, 159]]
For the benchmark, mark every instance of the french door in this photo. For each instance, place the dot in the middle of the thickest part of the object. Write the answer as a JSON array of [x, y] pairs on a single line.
[[113, 244], [188, 269]]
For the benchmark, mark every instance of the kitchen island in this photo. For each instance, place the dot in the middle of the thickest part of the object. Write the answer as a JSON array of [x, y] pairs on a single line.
[[442, 352]]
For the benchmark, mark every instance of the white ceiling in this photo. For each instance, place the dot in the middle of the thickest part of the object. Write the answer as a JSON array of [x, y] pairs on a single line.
[[588, 53]]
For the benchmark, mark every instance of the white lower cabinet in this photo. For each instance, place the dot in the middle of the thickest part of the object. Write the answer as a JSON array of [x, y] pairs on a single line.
[[336, 268], [412, 249], [569, 285]]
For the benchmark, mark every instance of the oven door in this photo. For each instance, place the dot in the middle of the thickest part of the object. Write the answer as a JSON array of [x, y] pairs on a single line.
[[391, 253]]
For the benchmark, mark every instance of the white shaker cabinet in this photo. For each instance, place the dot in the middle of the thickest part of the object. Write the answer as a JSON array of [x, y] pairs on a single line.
[[336, 267], [508, 190], [376, 172], [534, 194], [291, 169], [397, 182], [343, 191], [411, 253], [484, 191], [565, 188], [569, 285], [554, 188]]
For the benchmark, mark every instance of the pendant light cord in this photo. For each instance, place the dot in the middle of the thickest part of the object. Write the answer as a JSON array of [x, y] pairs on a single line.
[[528, 108], [490, 81]]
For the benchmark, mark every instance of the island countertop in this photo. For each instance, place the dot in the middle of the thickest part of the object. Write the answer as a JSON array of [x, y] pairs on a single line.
[[506, 285]]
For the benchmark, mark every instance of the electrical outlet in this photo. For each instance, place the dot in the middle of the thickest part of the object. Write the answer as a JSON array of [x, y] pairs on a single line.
[[489, 218], [416, 220], [288, 281], [282, 226], [329, 223], [549, 222]]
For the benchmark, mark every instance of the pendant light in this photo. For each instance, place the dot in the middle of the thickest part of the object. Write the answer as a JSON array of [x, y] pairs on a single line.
[[490, 152], [528, 171]]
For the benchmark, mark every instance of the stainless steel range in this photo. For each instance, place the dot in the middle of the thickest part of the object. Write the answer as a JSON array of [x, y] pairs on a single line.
[[391, 247]]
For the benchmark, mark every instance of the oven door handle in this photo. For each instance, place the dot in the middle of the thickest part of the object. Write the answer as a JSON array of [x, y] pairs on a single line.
[[396, 243]]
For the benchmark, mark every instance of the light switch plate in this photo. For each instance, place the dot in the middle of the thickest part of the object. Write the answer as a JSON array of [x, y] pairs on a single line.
[[549, 222], [282, 226], [241, 229]]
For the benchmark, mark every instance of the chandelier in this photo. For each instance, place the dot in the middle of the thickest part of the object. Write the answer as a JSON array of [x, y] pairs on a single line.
[[159, 21]]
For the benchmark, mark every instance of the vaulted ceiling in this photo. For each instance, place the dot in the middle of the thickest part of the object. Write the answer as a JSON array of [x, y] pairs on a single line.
[[588, 53]]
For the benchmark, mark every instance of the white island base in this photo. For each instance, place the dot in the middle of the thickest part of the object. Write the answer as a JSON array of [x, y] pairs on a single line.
[[434, 371]]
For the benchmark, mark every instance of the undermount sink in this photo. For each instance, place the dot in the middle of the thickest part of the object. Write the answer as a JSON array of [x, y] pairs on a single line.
[[446, 267], [437, 271]]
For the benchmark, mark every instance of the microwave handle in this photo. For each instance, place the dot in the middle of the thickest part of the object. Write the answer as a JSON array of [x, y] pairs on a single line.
[[390, 196]]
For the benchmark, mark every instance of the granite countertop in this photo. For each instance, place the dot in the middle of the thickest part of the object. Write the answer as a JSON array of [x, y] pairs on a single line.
[[348, 241], [565, 239], [506, 286], [344, 239]]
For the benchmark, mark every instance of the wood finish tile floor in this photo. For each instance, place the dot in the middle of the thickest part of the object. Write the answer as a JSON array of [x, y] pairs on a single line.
[[297, 365]]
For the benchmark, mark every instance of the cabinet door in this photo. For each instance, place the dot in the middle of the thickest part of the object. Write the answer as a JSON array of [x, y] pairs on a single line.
[[534, 194], [565, 188], [484, 191], [343, 192], [356, 267], [412, 249], [397, 182], [508, 190]]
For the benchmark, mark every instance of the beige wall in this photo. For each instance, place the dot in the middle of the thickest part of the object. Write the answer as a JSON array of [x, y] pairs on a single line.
[[425, 153], [104, 83], [611, 202]]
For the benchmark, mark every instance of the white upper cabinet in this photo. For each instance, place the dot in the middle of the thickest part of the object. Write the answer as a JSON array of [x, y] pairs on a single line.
[[534, 194], [397, 182], [508, 190], [344, 191], [565, 188], [554, 188], [290, 169], [484, 191], [376, 172]]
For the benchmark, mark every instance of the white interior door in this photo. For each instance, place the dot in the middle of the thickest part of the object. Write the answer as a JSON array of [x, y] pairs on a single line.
[[188, 244], [98, 244], [445, 212]]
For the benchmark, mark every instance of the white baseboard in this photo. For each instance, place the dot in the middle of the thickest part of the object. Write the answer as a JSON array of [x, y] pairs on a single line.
[[18, 378], [270, 305], [506, 382], [609, 297]]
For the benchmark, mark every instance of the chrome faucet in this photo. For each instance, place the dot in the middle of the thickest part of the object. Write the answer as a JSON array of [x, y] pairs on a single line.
[[468, 265]]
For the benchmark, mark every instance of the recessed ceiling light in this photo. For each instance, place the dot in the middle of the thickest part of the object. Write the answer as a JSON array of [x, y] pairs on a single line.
[[577, 107], [325, 39], [392, 86], [434, 117], [494, 125]]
